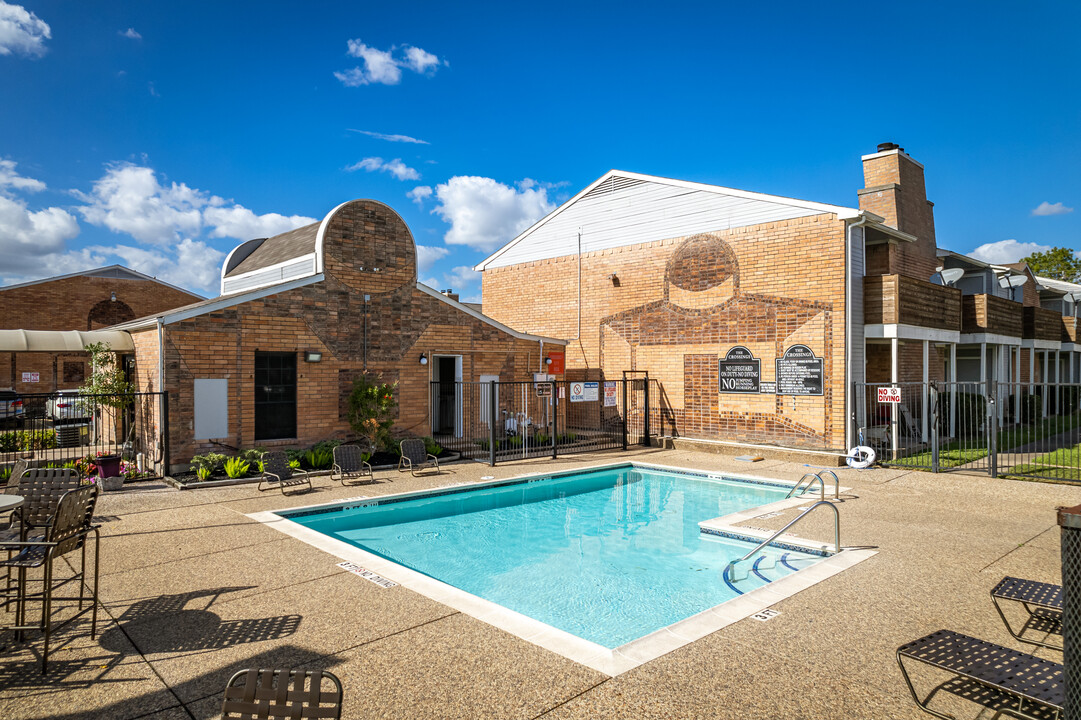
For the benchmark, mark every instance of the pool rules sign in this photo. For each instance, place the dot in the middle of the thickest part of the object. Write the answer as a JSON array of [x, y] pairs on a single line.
[[739, 372]]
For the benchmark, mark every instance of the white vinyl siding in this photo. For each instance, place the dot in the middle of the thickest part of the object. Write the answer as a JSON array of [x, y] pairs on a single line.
[[291, 270], [626, 211]]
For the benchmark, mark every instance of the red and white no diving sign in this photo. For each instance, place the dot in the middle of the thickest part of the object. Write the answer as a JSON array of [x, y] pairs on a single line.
[[889, 394]]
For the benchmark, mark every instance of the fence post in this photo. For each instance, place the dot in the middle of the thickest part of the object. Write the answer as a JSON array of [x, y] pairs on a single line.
[[992, 435], [1069, 520], [555, 418], [491, 422], [932, 395], [165, 459], [624, 414], [645, 433]]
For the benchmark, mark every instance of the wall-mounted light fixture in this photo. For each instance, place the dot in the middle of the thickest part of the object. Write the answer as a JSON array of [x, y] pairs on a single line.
[[547, 361], [614, 278], [423, 359], [312, 356], [112, 298]]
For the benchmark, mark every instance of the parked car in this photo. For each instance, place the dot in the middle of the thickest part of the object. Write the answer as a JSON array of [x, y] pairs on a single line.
[[11, 409], [66, 405]]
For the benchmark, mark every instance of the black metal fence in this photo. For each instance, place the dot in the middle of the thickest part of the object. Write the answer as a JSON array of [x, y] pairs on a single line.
[[71, 429], [500, 421], [1004, 429]]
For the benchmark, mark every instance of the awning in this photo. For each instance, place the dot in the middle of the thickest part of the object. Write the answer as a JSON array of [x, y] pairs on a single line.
[[62, 340]]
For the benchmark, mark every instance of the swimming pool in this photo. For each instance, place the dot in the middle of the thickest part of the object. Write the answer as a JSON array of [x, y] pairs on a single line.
[[608, 555]]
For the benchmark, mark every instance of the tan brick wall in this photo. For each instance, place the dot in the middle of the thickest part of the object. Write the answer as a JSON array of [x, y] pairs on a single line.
[[330, 317], [789, 290]]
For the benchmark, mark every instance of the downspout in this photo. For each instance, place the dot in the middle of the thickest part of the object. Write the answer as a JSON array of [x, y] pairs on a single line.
[[162, 420], [849, 398]]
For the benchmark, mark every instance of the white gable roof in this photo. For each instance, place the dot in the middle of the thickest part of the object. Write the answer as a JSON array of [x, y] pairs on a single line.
[[625, 208]]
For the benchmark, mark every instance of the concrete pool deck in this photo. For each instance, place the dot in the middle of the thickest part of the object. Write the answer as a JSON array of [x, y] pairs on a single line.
[[194, 590]]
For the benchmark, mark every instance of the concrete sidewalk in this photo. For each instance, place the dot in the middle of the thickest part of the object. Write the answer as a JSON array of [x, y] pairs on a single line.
[[194, 590]]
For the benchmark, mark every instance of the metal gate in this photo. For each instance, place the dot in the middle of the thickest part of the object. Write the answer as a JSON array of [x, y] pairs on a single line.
[[500, 421], [1004, 429], [70, 429]]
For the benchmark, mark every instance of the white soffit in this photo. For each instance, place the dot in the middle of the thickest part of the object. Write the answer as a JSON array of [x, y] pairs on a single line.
[[624, 209]]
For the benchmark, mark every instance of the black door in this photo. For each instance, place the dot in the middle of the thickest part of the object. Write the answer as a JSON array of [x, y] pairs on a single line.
[[275, 395], [445, 420]]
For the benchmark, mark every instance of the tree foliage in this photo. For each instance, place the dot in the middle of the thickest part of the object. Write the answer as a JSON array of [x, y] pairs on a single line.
[[106, 378], [1058, 263], [371, 410]]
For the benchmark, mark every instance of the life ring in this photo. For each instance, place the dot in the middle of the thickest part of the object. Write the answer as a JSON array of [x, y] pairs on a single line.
[[861, 457]]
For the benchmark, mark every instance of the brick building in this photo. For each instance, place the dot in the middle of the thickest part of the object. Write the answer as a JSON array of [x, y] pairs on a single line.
[[83, 301], [272, 360], [759, 314]]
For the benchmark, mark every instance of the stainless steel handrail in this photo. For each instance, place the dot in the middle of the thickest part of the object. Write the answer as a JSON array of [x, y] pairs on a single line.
[[808, 511], [813, 476], [836, 483]]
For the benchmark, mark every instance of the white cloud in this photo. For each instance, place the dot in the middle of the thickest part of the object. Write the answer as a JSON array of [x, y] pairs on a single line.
[[26, 267], [381, 67], [21, 31], [194, 264], [130, 33], [485, 214], [428, 255], [419, 194], [1006, 251], [240, 222], [1046, 208], [25, 233], [390, 138], [129, 199], [395, 167], [461, 277], [11, 179]]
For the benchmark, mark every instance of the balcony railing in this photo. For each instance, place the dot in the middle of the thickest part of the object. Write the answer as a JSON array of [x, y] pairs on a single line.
[[1042, 324], [899, 299], [989, 314]]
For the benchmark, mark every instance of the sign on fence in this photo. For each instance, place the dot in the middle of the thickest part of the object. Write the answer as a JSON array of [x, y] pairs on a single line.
[[889, 394], [609, 393], [585, 391]]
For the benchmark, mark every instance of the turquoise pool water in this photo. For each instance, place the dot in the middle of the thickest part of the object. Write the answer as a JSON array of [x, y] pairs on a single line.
[[607, 555]]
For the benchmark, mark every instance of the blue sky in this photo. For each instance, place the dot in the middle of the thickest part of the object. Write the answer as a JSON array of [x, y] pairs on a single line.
[[159, 135]]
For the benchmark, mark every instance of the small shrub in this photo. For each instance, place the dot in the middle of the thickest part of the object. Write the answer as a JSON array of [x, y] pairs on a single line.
[[541, 438], [237, 467], [27, 440], [371, 410], [432, 447], [514, 441], [295, 464], [211, 463], [9, 442], [5, 474], [297, 455], [319, 459], [329, 444], [203, 473], [252, 455]]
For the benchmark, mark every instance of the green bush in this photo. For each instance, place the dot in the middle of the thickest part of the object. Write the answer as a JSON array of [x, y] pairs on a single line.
[[252, 455], [541, 438], [27, 440], [319, 459], [207, 464], [432, 447], [237, 467], [371, 410], [329, 444], [203, 473], [9, 442]]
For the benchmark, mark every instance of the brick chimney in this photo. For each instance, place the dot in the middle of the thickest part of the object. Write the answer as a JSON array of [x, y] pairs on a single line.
[[894, 188], [449, 292]]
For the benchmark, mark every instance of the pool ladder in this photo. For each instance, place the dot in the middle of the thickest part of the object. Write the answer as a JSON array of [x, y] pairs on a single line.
[[730, 569], [821, 484]]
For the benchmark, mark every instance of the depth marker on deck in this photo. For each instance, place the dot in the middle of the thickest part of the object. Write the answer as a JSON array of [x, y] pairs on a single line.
[[367, 575]]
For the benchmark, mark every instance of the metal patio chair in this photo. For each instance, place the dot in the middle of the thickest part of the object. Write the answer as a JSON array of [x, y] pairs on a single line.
[[996, 677], [349, 463], [66, 533], [276, 466], [41, 489], [416, 457], [1042, 602], [293, 694], [17, 470]]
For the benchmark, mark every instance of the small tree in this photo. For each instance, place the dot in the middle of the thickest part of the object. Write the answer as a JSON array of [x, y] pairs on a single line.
[[106, 378], [371, 410], [1058, 263]]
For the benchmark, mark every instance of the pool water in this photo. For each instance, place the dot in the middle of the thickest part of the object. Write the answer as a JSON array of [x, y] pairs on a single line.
[[608, 555]]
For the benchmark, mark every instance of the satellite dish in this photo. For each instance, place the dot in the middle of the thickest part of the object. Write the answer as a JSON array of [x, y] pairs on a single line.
[[1012, 281], [949, 277], [1074, 296]]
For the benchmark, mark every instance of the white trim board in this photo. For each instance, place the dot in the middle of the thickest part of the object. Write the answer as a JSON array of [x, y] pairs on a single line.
[[901, 331], [1032, 344], [609, 661], [990, 339]]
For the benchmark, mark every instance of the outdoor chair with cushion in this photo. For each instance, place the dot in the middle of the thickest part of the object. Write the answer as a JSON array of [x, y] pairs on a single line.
[[294, 694], [1042, 602], [1001, 679], [416, 457], [349, 464], [66, 533], [278, 473]]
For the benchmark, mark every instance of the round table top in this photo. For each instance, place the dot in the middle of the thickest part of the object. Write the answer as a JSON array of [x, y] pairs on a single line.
[[8, 502]]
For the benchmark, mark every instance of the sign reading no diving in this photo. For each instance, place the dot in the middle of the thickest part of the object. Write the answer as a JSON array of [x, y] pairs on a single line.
[[739, 372]]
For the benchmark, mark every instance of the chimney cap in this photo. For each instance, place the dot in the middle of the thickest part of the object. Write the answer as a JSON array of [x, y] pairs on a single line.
[[886, 146]]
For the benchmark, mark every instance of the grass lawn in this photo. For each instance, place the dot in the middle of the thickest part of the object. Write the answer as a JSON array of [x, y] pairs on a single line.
[[1063, 464], [950, 455]]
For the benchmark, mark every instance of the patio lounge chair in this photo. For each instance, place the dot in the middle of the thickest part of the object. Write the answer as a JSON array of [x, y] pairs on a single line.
[[349, 464], [1042, 602], [1002, 679], [17, 470], [68, 532], [278, 473], [297, 695], [416, 457]]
